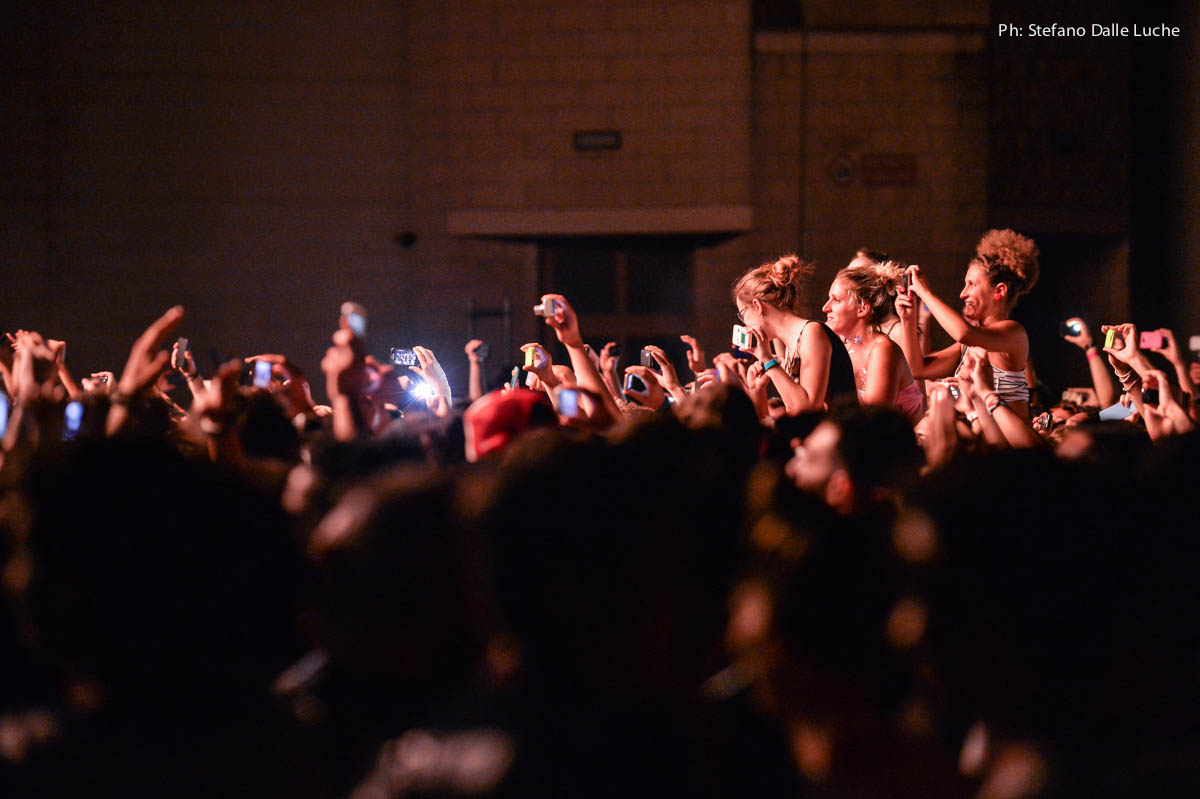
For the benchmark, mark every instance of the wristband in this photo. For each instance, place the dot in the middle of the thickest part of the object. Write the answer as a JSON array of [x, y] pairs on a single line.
[[992, 402], [1092, 352], [771, 364]]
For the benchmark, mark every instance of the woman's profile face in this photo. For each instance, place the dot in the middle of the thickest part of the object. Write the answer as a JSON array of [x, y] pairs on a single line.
[[841, 309], [977, 293]]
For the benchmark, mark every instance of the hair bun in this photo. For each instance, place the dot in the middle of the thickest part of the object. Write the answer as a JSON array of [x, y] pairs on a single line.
[[1009, 250], [789, 270], [892, 274]]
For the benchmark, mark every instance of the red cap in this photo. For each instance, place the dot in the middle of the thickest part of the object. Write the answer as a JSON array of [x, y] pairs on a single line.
[[497, 418]]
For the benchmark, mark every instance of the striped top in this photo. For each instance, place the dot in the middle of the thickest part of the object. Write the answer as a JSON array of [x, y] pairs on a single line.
[[1010, 384]]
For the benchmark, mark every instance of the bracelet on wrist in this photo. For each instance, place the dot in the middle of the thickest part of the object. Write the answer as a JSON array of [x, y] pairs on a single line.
[[1092, 352], [771, 364], [992, 402]]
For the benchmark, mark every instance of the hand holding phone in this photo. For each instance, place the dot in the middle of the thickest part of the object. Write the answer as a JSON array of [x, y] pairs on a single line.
[[404, 357], [262, 374], [1071, 327], [743, 339], [547, 308]]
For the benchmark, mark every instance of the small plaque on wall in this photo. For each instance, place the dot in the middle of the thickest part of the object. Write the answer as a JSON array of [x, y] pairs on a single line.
[[596, 140]]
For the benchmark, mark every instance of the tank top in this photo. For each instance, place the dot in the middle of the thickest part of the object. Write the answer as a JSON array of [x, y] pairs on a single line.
[[1010, 384], [841, 370]]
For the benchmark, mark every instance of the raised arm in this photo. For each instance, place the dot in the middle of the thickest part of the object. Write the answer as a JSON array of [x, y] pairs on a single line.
[[1006, 336], [1106, 394], [795, 395], [566, 326], [475, 350], [923, 367]]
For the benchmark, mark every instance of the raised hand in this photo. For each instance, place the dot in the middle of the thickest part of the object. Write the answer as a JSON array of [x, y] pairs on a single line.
[[147, 358], [653, 397], [1084, 339], [564, 321], [696, 359]]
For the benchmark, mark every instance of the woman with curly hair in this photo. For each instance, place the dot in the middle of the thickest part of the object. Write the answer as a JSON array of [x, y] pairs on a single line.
[[813, 367], [1005, 267], [861, 299]]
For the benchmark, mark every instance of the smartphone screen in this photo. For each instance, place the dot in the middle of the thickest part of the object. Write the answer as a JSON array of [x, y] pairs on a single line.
[[568, 402], [73, 418], [3, 414], [634, 383], [262, 374], [403, 357]]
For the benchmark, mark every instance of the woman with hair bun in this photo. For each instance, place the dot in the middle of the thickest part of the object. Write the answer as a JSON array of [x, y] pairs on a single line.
[[814, 367], [861, 299], [1005, 267]]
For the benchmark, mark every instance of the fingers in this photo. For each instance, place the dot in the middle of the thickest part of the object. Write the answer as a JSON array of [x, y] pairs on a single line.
[[159, 330], [647, 374]]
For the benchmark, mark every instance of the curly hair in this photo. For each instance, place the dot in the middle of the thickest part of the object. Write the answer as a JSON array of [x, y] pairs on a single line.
[[1010, 258], [875, 286], [778, 283]]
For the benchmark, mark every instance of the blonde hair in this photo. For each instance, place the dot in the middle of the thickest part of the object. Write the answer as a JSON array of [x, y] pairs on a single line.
[[1009, 258], [779, 284], [875, 286]]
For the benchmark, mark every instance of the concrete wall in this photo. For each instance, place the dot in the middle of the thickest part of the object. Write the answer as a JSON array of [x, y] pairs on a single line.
[[262, 163]]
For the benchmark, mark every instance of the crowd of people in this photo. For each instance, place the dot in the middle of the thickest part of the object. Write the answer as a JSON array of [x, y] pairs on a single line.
[[829, 562]]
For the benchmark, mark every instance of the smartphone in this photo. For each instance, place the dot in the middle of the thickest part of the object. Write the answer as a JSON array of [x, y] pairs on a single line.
[[530, 378], [181, 358], [356, 318], [907, 282], [954, 392], [73, 419], [547, 308], [1152, 341], [615, 350], [481, 352], [3, 414], [533, 357], [1069, 329], [568, 403], [743, 339], [634, 383], [1194, 343], [648, 360], [1111, 339], [403, 357], [515, 380], [1150, 396], [262, 374], [1115, 413]]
